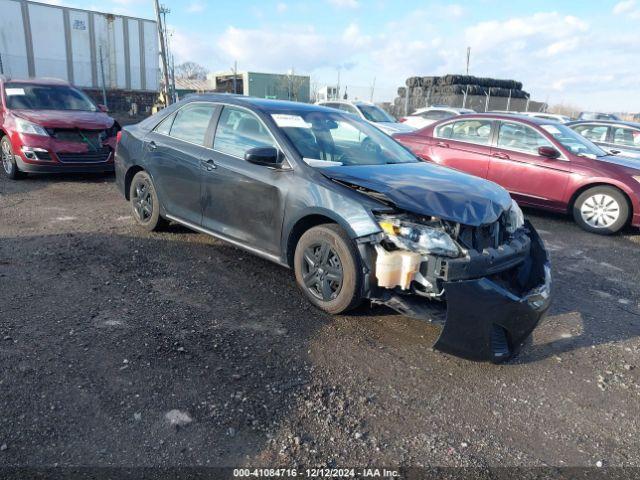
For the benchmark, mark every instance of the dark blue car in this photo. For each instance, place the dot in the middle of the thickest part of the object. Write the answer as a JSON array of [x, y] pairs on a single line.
[[355, 214]]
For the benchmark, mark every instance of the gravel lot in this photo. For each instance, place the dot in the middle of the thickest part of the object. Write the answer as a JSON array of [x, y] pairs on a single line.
[[119, 347]]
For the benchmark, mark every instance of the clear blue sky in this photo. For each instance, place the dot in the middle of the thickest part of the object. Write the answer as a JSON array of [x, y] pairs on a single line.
[[584, 53]]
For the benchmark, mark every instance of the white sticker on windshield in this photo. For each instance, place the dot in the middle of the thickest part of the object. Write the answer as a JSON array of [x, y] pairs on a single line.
[[283, 120], [551, 129], [14, 91], [315, 162]]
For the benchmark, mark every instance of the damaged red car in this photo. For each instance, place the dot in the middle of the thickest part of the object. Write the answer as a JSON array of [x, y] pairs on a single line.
[[48, 126]]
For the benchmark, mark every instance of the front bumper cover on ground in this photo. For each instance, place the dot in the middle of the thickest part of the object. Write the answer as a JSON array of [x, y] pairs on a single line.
[[484, 318]]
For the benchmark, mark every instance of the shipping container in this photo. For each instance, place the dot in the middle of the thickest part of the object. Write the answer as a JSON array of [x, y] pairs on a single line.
[[80, 46]]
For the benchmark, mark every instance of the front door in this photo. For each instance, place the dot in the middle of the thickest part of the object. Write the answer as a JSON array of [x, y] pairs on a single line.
[[242, 201], [175, 150], [530, 178], [464, 145]]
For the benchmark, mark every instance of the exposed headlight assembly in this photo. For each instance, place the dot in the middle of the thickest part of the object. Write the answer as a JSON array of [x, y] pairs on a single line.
[[417, 237], [515, 218], [25, 126]]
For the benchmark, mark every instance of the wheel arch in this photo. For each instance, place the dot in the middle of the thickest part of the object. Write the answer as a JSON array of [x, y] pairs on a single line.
[[584, 188], [306, 222], [128, 177]]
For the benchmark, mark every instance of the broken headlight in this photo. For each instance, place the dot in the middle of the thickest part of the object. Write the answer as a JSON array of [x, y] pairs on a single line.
[[514, 218], [417, 237]]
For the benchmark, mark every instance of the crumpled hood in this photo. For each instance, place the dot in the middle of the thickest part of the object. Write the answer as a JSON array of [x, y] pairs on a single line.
[[428, 189], [66, 119]]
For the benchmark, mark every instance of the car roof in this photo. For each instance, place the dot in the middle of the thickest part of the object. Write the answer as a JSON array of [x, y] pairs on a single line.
[[36, 81], [349, 102], [260, 103], [606, 122], [442, 107], [502, 116]]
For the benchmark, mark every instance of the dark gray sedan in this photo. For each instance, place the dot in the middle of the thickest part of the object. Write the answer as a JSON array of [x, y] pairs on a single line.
[[355, 214], [617, 137]]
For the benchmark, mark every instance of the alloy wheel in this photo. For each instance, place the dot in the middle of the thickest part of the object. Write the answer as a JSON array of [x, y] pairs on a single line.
[[143, 201], [600, 210], [322, 271], [7, 162]]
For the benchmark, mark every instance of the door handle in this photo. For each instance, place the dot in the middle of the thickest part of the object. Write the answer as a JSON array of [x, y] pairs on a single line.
[[209, 165], [152, 145], [442, 144], [504, 156]]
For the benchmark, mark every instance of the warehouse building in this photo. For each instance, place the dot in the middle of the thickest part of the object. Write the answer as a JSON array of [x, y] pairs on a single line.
[[279, 86], [90, 49]]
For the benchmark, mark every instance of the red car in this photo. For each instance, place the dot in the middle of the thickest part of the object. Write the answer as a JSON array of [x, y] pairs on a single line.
[[543, 164], [50, 126]]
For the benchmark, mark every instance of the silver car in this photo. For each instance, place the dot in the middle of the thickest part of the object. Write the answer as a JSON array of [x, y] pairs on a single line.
[[370, 113]]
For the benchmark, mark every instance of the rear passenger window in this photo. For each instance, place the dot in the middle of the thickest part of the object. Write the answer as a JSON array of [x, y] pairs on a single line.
[[240, 130], [472, 131], [626, 137], [164, 127], [191, 123]]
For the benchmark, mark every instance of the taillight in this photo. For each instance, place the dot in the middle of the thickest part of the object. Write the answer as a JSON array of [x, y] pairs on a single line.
[[118, 136]]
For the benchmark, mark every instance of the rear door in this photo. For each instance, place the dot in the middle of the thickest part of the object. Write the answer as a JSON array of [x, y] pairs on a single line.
[[529, 177], [464, 145], [175, 152]]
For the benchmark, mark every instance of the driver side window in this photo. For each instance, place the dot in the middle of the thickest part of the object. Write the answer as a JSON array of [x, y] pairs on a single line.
[[239, 130], [517, 136]]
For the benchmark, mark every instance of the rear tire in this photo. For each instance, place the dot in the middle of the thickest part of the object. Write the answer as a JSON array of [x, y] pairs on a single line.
[[603, 210], [145, 205], [328, 269], [9, 165]]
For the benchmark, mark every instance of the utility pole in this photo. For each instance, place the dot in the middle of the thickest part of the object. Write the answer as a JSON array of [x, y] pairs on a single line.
[[235, 74], [104, 88], [373, 87], [486, 103], [509, 101], [163, 53], [1, 67], [468, 58], [338, 96]]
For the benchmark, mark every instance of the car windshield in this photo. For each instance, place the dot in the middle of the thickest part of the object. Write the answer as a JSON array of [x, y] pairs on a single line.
[[572, 141], [375, 114], [31, 96], [329, 139]]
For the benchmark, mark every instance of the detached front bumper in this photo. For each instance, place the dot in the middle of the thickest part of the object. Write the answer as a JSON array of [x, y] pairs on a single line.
[[488, 318]]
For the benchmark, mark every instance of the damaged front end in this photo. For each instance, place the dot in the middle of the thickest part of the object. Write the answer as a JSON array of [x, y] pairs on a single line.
[[487, 286]]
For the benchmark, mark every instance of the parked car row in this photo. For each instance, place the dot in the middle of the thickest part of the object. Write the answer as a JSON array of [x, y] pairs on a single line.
[[328, 193]]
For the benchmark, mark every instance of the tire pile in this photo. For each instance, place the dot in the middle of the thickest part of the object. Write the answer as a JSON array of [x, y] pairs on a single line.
[[450, 90]]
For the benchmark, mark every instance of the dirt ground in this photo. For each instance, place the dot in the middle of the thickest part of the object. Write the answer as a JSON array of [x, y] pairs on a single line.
[[119, 347]]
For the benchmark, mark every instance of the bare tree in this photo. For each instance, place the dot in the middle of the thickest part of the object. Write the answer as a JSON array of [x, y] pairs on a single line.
[[291, 84], [191, 71], [565, 109]]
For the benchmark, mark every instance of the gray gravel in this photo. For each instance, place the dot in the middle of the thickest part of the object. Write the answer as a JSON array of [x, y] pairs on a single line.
[[120, 347]]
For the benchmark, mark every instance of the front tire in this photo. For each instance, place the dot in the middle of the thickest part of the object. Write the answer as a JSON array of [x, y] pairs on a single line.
[[9, 166], [145, 205], [328, 269], [603, 210]]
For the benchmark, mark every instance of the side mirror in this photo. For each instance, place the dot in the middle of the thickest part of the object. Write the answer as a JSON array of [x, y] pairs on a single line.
[[615, 152], [548, 152], [103, 108], [266, 156]]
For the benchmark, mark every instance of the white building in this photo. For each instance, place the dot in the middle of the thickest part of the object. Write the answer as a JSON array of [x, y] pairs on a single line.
[[81, 46]]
